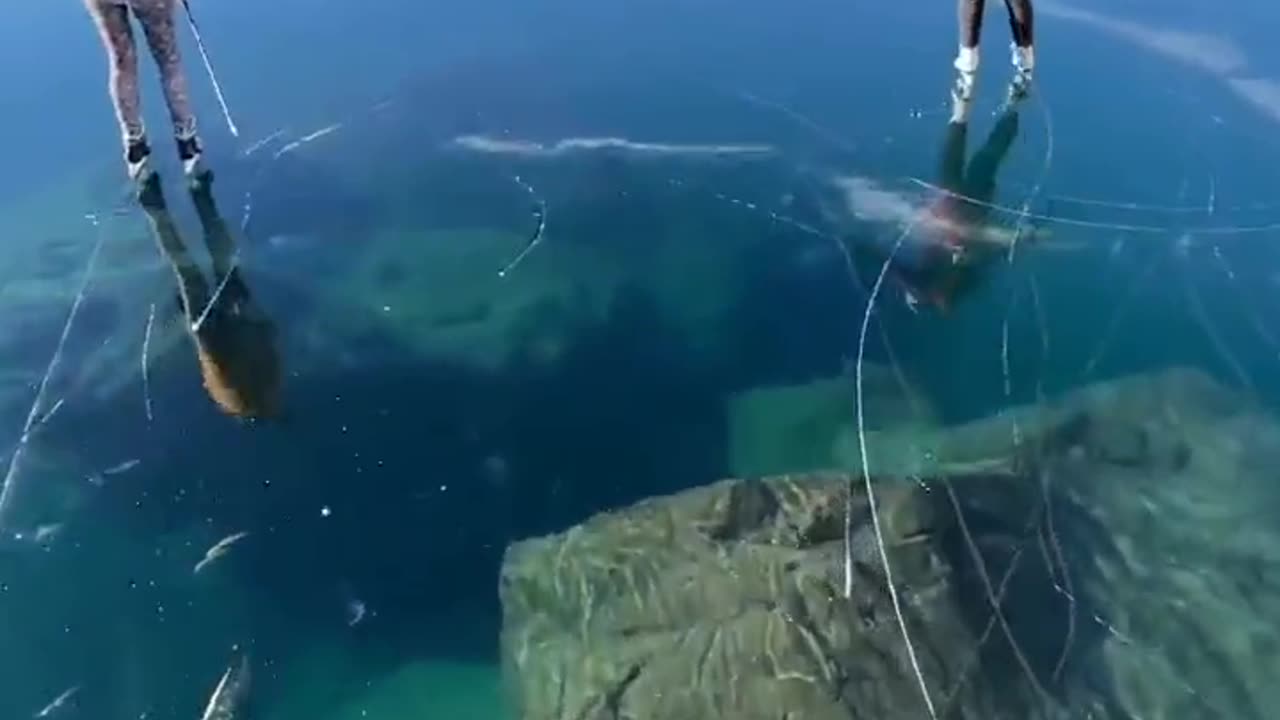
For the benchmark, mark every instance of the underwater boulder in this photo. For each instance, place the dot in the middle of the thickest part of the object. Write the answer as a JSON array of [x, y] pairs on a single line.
[[1107, 555], [727, 602]]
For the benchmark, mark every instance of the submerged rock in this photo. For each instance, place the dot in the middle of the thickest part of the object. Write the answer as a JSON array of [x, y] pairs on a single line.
[[1122, 534], [727, 602]]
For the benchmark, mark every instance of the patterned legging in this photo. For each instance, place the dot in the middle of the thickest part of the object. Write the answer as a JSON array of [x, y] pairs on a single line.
[[156, 17]]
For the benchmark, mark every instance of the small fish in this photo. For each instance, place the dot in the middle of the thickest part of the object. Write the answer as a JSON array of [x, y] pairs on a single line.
[[356, 610], [46, 534], [58, 702], [123, 467], [230, 692], [218, 550], [913, 302], [42, 535]]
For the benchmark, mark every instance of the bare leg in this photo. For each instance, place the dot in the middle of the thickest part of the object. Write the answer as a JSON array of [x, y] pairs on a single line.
[[156, 17], [117, 37]]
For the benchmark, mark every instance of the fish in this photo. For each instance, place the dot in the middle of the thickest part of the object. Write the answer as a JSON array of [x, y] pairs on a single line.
[[99, 479], [123, 467], [913, 302], [356, 610], [229, 693], [42, 535], [218, 550], [47, 533], [58, 702]]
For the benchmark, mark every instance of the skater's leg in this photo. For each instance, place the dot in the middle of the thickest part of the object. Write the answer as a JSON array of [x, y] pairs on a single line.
[[1022, 26], [1021, 22], [156, 17], [112, 20], [969, 15], [157, 21]]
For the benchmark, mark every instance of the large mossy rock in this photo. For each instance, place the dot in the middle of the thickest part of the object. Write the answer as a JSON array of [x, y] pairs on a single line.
[[722, 602], [1124, 534]]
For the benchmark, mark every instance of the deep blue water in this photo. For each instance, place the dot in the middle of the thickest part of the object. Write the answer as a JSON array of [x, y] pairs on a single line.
[[431, 412]]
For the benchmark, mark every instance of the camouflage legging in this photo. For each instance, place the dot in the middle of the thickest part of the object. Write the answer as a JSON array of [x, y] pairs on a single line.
[[156, 17]]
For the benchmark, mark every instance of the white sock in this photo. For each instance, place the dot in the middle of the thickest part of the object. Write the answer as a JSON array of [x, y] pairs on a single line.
[[967, 60], [1024, 58]]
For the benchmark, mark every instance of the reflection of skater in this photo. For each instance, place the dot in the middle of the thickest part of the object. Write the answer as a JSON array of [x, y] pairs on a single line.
[[156, 19], [235, 342], [1021, 22], [953, 238]]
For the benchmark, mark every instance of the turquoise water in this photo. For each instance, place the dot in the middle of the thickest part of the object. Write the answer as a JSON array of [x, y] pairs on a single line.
[[511, 265]]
